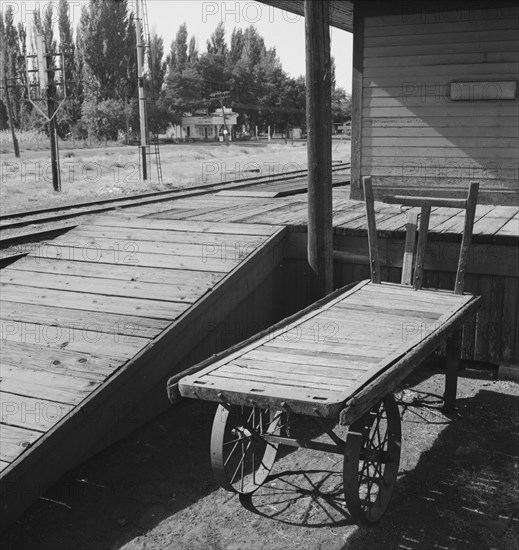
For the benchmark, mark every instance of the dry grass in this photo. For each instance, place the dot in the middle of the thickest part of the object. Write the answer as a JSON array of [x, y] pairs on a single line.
[[87, 174], [29, 140], [32, 140]]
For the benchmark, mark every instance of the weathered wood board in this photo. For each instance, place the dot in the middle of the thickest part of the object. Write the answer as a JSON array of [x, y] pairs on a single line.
[[92, 321], [355, 343]]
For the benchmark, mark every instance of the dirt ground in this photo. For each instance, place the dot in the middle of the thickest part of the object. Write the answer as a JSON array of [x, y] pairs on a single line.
[[457, 486], [87, 174]]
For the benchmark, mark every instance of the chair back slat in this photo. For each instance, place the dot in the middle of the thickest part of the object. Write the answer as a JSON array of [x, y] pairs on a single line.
[[410, 243], [414, 264], [425, 214], [405, 200], [472, 202], [374, 261]]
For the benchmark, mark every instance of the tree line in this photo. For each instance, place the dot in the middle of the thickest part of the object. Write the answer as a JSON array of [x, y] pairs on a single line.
[[100, 67]]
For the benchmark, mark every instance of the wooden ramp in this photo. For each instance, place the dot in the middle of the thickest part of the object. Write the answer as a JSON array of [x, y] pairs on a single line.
[[96, 319]]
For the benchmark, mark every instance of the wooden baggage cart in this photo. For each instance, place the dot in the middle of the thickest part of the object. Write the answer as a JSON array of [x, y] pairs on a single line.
[[337, 363]]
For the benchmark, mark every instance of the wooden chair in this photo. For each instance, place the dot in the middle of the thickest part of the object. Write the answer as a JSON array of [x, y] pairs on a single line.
[[413, 263]]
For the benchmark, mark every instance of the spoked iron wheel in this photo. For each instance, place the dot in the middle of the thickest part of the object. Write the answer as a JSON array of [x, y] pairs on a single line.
[[241, 458], [371, 459]]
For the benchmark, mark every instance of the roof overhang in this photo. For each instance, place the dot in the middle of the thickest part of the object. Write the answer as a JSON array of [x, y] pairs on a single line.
[[341, 12]]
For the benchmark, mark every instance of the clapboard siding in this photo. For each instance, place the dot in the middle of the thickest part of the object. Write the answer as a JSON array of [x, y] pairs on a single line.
[[436, 58], [455, 47], [445, 132], [444, 23], [451, 72], [412, 133], [440, 123], [433, 39]]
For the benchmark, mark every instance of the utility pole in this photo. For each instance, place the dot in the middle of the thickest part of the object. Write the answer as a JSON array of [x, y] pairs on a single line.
[[221, 96], [45, 61], [3, 78], [46, 85], [142, 92], [46, 91]]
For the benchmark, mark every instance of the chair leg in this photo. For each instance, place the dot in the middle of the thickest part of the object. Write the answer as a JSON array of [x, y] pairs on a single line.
[[451, 372]]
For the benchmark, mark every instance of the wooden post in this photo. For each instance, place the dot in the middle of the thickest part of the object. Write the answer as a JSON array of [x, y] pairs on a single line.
[[319, 147], [374, 260], [472, 200], [356, 103]]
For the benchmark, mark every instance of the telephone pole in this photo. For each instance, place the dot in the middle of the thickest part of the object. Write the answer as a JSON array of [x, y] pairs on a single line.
[[46, 90], [3, 79], [51, 110], [142, 92]]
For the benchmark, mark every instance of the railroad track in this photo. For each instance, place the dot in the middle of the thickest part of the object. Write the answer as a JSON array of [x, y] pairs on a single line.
[[37, 225]]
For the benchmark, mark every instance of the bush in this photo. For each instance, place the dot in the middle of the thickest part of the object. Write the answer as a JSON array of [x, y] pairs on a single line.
[[105, 119]]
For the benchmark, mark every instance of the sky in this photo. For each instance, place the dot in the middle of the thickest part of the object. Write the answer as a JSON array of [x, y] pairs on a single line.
[[280, 29]]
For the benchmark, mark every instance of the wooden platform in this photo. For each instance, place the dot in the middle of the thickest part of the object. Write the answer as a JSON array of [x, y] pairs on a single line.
[[492, 270], [320, 360], [95, 319], [494, 224]]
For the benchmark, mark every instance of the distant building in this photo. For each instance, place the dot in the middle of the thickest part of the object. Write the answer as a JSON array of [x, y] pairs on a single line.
[[208, 127], [342, 128]]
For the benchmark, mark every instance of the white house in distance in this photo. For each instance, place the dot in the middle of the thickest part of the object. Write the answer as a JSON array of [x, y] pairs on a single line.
[[209, 127]]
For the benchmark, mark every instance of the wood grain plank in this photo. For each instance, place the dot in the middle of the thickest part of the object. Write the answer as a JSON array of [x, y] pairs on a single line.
[[122, 305], [253, 389], [244, 372], [510, 228], [440, 47], [128, 252], [62, 388], [129, 273], [380, 316], [80, 339], [436, 58], [32, 413], [106, 287], [481, 71], [417, 24], [213, 261], [271, 352], [433, 142], [266, 363], [483, 154], [15, 441], [58, 361], [122, 325], [160, 222], [184, 237]]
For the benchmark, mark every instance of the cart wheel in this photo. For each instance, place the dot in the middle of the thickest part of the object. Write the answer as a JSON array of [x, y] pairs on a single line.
[[241, 459], [371, 459]]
